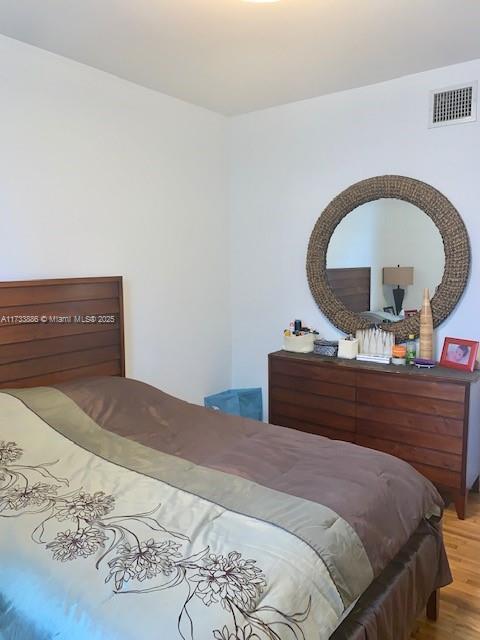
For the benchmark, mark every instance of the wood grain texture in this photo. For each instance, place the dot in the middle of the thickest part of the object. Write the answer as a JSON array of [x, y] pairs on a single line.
[[59, 362], [440, 477], [409, 402], [52, 346], [414, 437], [34, 332], [28, 292], [411, 454], [311, 400], [410, 420], [102, 369], [423, 388], [438, 374], [75, 307], [88, 341], [459, 617], [351, 285], [309, 370], [319, 387]]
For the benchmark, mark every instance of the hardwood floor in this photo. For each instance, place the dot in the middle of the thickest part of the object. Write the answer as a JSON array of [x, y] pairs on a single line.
[[460, 602]]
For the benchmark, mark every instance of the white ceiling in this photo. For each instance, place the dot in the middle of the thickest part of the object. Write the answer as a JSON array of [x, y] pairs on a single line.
[[233, 56]]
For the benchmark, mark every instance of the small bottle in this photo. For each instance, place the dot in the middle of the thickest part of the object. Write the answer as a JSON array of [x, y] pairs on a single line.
[[411, 349]]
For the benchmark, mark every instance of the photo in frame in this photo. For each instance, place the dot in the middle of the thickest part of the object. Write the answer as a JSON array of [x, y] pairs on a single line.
[[459, 354]]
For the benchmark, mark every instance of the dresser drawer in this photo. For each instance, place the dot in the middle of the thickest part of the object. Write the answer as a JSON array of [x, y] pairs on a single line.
[[414, 437], [440, 467], [311, 371], [411, 453], [313, 401], [422, 423], [317, 387], [311, 415], [439, 477], [411, 403], [411, 386]]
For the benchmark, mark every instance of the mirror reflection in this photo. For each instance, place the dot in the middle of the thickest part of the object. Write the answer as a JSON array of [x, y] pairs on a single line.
[[382, 256]]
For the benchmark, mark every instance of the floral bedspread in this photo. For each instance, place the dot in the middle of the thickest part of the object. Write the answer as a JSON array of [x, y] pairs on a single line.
[[92, 549], [195, 526]]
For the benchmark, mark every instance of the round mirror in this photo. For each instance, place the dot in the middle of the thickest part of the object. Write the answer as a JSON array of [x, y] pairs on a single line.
[[382, 256], [378, 245]]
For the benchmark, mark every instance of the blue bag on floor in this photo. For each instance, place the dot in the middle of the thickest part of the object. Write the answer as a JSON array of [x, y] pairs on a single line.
[[238, 402]]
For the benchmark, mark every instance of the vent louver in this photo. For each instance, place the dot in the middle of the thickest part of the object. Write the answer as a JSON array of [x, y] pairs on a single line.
[[453, 105]]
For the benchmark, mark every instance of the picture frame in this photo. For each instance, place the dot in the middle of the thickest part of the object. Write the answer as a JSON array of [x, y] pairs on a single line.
[[389, 310], [410, 312], [458, 353]]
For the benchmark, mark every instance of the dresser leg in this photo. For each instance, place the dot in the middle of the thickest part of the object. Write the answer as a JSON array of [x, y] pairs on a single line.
[[461, 505], [433, 605]]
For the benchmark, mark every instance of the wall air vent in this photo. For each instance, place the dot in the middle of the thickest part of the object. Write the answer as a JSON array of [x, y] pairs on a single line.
[[453, 105]]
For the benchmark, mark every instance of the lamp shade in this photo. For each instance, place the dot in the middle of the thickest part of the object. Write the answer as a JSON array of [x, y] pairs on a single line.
[[401, 276]]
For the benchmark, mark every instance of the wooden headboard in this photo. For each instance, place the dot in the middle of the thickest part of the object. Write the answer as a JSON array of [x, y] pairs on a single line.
[[56, 330], [352, 287]]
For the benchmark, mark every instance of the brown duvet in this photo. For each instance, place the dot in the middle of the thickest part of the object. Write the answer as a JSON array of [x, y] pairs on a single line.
[[386, 502]]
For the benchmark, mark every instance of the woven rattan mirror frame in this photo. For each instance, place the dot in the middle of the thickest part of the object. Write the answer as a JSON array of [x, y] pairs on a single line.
[[435, 205]]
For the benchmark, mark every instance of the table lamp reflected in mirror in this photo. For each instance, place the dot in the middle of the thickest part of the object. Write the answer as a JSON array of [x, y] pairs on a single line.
[[399, 277]]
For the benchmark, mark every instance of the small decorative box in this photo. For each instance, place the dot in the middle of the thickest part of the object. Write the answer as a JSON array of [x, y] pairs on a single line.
[[348, 349], [326, 347]]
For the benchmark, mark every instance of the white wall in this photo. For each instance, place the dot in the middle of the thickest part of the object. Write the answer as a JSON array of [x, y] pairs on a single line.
[[132, 182], [99, 176], [355, 243], [288, 162]]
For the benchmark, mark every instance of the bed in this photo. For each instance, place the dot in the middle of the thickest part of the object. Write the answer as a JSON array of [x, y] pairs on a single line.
[[127, 513], [352, 286]]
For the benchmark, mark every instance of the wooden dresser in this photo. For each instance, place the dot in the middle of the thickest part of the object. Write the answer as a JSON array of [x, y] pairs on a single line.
[[430, 418]]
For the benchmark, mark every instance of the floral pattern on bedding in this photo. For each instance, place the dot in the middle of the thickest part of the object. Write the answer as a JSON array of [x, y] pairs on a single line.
[[134, 565]]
